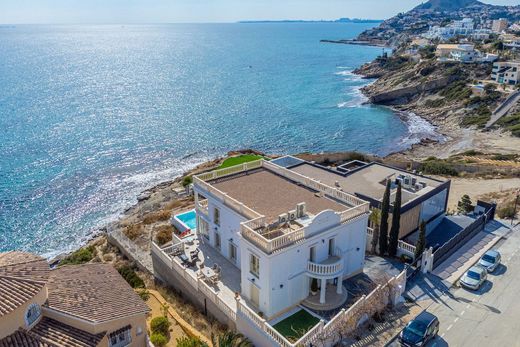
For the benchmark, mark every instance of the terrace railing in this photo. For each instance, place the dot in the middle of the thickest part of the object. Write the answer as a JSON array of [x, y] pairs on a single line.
[[198, 284], [251, 229], [346, 320]]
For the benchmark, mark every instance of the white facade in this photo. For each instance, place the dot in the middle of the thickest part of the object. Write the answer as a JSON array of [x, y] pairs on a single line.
[[506, 72], [276, 273]]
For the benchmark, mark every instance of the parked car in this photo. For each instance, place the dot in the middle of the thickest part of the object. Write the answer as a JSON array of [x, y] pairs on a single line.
[[420, 330], [490, 260], [474, 277]]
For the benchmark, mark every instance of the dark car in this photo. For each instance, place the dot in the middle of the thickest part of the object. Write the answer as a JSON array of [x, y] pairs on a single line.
[[420, 330]]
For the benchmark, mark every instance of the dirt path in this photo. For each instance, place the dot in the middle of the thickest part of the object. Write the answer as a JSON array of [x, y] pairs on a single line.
[[475, 187], [180, 327]]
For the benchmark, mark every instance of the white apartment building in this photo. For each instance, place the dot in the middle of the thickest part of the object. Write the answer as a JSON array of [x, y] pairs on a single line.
[[506, 72], [464, 27]]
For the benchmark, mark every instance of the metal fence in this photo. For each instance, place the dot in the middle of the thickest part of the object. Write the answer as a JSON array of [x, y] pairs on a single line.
[[467, 233]]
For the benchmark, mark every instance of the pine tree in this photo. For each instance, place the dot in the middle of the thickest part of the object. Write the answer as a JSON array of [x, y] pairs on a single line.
[[383, 230], [396, 224], [421, 240]]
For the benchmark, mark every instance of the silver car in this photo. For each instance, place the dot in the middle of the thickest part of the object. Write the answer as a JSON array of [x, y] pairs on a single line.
[[490, 260], [474, 277]]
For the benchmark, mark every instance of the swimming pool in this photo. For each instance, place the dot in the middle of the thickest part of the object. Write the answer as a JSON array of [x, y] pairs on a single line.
[[185, 221]]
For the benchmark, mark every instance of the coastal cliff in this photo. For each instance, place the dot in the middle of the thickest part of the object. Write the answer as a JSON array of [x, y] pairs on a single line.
[[441, 93]]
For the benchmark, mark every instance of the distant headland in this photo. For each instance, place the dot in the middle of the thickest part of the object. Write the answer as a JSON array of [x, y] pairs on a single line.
[[340, 20]]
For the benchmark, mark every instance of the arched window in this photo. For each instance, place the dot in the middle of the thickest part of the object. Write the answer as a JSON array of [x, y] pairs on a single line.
[[32, 314]]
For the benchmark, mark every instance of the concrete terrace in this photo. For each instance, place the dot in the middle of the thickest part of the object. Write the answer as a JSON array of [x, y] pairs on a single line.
[[271, 195], [368, 180]]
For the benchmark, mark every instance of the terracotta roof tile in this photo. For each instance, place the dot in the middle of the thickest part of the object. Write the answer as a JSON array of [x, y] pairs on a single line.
[[22, 276], [51, 333], [59, 334], [22, 338], [93, 292]]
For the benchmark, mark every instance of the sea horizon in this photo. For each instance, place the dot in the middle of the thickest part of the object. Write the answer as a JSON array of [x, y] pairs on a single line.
[[94, 115]]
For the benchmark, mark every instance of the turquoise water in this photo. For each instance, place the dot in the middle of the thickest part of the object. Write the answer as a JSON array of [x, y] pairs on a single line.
[[189, 219], [92, 115]]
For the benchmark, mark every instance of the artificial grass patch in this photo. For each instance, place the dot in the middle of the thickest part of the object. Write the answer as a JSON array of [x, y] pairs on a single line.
[[244, 158], [295, 326]]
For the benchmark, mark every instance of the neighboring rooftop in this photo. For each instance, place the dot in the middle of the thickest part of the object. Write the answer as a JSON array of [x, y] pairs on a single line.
[[51, 333], [368, 180], [93, 292], [271, 195], [22, 276]]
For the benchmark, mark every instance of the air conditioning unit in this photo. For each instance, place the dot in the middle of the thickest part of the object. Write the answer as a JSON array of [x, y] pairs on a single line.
[[292, 215], [337, 184], [282, 218], [301, 209]]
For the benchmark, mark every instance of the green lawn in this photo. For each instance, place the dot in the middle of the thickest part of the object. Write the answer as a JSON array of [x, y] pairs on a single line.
[[295, 326], [240, 159]]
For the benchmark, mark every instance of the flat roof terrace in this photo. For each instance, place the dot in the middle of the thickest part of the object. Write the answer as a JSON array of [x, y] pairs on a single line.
[[368, 181], [271, 194]]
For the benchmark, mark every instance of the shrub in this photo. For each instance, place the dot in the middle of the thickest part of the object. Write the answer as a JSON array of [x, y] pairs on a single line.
[[158, 339], [434, 103], [465, 205], [81, 256], [144, 294], [472, 152], [504, 157], [131, 277], [190, 342], [160, 325], [437, 167], [479, 117], [187, 180], [133, 231], [507, 211], [158, 216], [163, 234]]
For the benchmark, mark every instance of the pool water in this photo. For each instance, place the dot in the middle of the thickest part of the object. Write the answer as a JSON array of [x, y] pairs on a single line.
[[189, 219]]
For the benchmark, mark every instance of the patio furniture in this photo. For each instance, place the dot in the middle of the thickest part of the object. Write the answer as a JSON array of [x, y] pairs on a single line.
[[208, 272], [184, 258]]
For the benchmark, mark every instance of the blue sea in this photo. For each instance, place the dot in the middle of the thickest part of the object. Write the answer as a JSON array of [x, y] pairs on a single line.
[[92, 115]]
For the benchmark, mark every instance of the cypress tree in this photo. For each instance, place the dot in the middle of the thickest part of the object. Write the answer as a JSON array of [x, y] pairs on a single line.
[[421, 240], [396, 224], [383, 229]]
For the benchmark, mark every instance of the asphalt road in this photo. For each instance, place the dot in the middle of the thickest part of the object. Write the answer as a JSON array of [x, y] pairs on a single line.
[[489, 316]]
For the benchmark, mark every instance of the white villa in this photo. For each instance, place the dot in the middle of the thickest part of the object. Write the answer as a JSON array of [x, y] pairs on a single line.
[[266, 216], [266, 237]]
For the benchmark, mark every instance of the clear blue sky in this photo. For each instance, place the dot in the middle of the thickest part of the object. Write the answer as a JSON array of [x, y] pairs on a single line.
[[169, 11]]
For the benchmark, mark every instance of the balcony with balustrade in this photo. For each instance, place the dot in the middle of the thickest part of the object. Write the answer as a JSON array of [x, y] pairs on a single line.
[[325, 273]]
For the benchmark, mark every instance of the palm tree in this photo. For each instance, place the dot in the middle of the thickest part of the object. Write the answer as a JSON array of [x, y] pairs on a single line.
[[230, 339], [375, 219]]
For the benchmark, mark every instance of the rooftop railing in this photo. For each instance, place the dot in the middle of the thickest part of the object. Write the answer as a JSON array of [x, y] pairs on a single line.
[[252, 229]]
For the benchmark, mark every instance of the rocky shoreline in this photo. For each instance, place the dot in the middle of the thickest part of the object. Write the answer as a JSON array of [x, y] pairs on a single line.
[[397, 90]]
